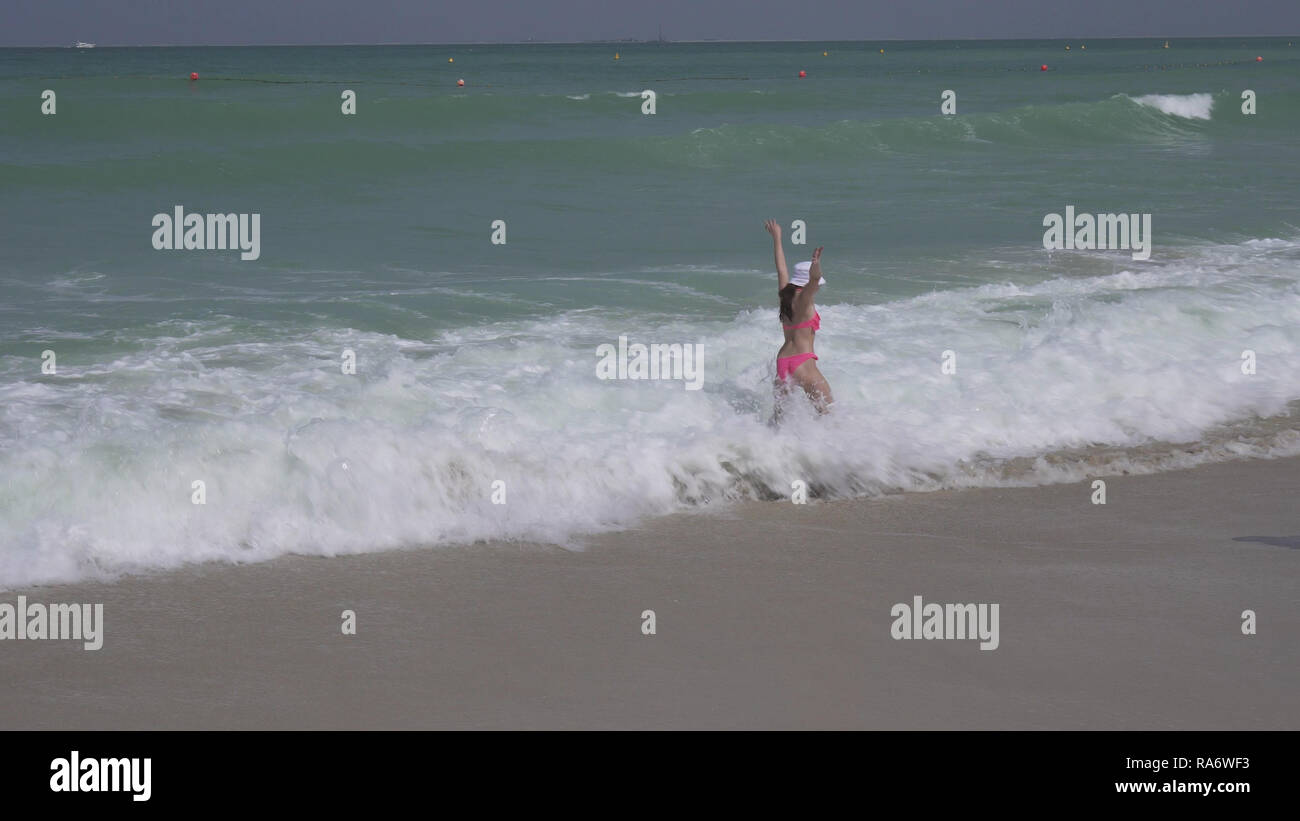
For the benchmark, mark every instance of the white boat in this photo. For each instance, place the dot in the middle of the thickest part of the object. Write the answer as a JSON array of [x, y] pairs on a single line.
[[84, 45]]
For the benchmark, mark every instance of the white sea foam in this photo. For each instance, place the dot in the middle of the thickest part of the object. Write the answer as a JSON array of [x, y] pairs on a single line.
[[298, 457], [1188, 106]]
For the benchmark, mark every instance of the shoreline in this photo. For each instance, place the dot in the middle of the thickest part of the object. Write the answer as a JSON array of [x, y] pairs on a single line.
[[768, 615]]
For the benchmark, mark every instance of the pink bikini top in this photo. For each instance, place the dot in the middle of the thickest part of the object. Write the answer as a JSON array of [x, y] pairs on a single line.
[[815, 323]]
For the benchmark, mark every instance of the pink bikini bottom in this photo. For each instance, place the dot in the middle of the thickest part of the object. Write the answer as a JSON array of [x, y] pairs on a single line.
[[786, 365]]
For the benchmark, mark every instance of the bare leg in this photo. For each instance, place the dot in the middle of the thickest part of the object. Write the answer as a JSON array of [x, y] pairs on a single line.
[[815, 385], [779, 392]]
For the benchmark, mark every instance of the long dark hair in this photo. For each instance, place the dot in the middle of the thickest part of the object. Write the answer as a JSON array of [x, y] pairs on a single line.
[[787, 302]]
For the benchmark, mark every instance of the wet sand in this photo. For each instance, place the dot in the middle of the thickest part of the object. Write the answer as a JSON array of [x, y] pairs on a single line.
[[768, 615]]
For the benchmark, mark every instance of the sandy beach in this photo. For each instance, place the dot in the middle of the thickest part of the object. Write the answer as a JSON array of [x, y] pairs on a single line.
[[768, 615]]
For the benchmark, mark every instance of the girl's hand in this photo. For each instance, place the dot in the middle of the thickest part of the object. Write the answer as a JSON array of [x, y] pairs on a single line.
[[773, 228], [816, 260]]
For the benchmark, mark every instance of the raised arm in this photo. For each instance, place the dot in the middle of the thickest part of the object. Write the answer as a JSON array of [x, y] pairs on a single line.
[[814, 276], [782, 275]]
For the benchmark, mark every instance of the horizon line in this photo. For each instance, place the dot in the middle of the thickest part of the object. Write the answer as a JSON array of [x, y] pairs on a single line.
[[628, 41]]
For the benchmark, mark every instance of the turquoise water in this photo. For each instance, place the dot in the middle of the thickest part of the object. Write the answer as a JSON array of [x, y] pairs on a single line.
[[476, 360]]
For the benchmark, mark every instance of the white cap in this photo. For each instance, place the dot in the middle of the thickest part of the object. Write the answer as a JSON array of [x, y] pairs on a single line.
[[801, 274]]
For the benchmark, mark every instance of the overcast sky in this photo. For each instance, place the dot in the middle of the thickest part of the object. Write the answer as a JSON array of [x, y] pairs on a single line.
[[237, 22]]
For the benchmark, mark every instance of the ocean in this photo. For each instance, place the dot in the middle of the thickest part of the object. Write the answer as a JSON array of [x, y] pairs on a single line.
[[475, 379]]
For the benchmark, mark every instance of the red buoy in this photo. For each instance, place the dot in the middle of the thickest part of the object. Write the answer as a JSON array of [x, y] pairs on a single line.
[[194, 75], [1044, 68], [1259, 59], [460, 82], [803, 74]]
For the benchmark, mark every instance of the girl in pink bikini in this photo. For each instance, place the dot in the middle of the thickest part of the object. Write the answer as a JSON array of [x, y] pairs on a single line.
[[796, 362]]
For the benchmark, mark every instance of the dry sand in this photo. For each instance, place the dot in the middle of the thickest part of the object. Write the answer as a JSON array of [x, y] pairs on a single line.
[[769, 615]]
